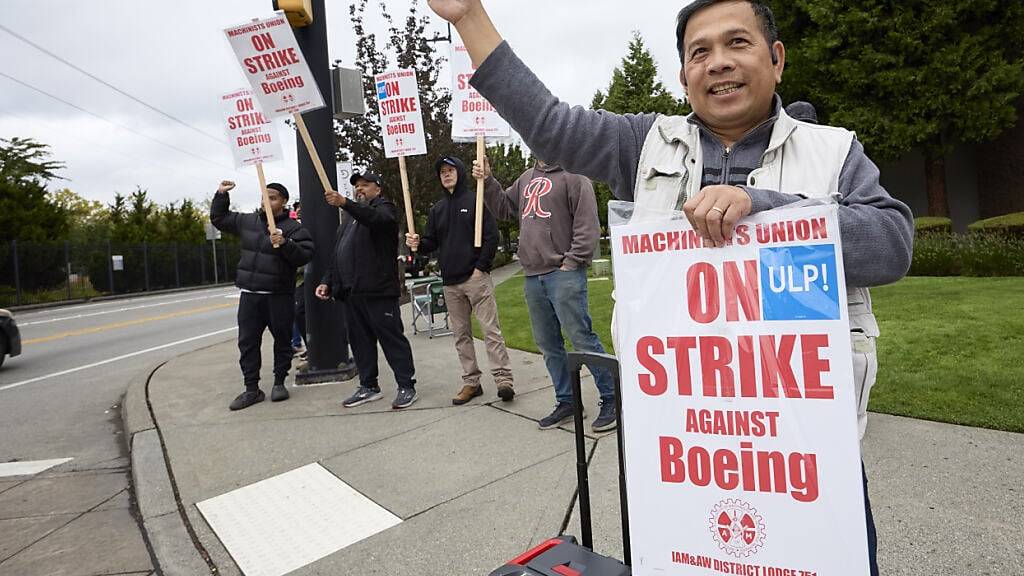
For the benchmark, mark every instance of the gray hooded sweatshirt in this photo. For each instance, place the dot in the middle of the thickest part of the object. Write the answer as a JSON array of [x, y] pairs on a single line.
[[557, 213]]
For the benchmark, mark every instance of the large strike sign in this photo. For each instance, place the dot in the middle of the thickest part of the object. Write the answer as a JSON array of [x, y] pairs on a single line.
[[251, 135], [273, 64], [401, 121], [741, 443], [472, 114]]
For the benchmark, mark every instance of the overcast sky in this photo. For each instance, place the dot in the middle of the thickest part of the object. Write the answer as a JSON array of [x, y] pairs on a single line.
[[173, 56]]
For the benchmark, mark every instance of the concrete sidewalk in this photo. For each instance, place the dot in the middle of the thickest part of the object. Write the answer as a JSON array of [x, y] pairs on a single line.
[[478, 484]]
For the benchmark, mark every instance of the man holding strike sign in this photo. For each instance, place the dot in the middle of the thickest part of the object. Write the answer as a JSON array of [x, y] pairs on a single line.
[[266, 276], [739, 153]]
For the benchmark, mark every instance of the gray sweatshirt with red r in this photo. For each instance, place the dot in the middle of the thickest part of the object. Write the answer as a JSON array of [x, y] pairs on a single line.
[[557, 213]]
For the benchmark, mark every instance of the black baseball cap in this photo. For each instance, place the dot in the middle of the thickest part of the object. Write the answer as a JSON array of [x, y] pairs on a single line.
[[368, 176]]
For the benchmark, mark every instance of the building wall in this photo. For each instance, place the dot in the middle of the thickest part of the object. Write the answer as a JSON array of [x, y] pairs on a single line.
[[904, 179], [1001, 171]]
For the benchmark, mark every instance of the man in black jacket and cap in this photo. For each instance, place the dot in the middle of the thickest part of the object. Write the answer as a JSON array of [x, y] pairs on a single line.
[[364, 276], [465, 273], [266, 277]]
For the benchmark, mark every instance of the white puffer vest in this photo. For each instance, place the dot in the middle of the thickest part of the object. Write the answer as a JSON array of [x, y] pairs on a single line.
[[801, 158]]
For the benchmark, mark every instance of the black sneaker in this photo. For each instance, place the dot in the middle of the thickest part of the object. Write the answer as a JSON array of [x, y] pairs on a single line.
[[362, 396], [561, 414], [606, 420], [279, 393], [404, 398], [247, 398]]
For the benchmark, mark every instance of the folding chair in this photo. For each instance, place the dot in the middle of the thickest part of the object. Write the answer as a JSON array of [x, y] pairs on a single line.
[[428, 303]]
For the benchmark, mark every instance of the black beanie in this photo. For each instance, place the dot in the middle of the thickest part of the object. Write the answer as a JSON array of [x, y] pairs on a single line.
[[280, 188]]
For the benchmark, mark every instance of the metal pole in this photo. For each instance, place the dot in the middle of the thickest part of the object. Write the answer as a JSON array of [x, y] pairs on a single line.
[[177, 273], [224, 260], [214, 241], [145, 263], [202, 263], [17, 275], [110, 267], [67, 266], [327, 343]]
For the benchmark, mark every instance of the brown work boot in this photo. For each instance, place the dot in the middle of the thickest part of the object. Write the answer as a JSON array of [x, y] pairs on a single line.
[[467, 393], [505, 391]]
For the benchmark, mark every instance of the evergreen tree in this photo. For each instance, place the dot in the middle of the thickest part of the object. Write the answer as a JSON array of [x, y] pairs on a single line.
[[28, 213], [359, 139], [909, 74], [634, 89]]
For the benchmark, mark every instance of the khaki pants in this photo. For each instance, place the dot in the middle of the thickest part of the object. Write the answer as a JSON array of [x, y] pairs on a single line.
[[477, 295]]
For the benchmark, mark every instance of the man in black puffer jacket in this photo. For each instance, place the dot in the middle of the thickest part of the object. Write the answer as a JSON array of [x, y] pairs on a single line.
[[266, 276], [364, 276]]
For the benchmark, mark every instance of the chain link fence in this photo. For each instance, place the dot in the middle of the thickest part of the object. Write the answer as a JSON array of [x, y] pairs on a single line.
[[37, 272]]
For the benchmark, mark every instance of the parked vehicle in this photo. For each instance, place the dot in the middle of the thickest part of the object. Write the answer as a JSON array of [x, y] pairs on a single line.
[[10, 337]]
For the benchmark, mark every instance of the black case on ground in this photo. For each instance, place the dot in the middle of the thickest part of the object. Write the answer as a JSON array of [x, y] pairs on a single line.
[[564, 556]]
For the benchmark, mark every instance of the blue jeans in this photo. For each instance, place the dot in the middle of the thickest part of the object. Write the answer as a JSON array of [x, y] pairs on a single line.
[[558, 302]]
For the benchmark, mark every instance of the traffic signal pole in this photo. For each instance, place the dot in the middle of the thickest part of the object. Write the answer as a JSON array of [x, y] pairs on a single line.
[[327, 338]]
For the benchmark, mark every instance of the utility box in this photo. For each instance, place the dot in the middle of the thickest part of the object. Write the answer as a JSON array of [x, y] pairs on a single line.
[[347, 88]]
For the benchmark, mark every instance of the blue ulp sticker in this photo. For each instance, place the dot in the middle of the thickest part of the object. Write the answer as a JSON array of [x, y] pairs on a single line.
[[799, 283], [382, 92]]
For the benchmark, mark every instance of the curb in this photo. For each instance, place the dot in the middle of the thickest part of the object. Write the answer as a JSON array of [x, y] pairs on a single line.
[[173, 550]]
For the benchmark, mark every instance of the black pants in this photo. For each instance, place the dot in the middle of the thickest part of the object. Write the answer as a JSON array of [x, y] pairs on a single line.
[[300, 311], [373, 320], [256, 312]]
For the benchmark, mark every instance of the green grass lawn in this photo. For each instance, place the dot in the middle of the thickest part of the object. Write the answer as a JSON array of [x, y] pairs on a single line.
[[952, 349]]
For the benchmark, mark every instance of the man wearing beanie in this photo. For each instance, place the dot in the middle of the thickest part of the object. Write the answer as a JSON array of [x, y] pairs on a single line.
[[364, 276], [266, 277], [465, 272]]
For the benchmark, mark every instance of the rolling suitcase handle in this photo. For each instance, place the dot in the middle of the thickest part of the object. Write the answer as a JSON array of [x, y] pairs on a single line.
[[610, 363]]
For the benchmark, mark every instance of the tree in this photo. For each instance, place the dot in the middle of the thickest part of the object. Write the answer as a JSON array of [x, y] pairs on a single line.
[[928, 74], [88, 220], [27, 211], [359, 139], [634, 89]]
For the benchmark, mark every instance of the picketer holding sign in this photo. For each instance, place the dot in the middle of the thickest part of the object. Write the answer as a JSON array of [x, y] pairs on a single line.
[[738, 153]]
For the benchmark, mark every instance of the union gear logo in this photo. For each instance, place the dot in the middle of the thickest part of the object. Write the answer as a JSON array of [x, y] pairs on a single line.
[[737, 528], [537, 187]]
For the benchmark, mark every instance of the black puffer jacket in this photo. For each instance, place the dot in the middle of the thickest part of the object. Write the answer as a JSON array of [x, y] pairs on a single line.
[[365, 260], [263, 268], [450, 227]]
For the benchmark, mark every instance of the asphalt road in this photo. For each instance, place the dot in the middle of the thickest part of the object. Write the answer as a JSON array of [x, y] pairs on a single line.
[[60, 399]]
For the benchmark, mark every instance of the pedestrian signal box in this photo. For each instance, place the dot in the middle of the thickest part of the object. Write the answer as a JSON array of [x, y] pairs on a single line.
[[299, 12]]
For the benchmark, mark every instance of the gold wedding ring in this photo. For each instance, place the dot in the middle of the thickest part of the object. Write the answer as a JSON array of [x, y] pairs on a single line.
[[719, 210]]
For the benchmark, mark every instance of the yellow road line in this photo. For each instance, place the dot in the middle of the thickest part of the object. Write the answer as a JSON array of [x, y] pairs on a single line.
[[126, 323]]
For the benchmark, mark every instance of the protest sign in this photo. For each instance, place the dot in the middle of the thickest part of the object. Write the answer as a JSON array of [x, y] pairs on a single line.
[[473, 117], [401, 121], [251, 135], [401, 124], [472, 114], [344, 174], [274, 66], [739, 415]]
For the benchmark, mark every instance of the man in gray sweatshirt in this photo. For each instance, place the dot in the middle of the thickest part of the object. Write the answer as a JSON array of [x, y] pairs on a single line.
[[558, 230], [739, 153]]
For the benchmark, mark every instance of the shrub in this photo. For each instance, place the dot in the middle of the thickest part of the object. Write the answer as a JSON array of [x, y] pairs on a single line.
[[936, 255], [967, 255], [1006, 225], [932, 224]]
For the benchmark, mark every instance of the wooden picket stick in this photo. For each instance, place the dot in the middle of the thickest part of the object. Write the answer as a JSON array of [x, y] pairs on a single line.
[[271, 225], [478, 231], [301, 125], [405, 194]]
